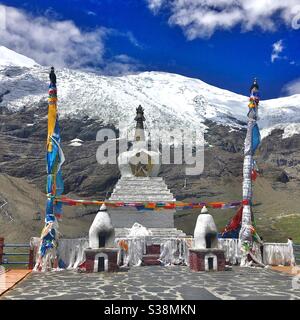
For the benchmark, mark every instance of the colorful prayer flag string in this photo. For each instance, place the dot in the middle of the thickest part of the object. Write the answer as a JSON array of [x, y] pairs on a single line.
[[179, 205]]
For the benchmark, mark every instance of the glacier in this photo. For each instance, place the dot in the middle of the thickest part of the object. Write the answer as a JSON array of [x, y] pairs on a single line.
[[170, 100]]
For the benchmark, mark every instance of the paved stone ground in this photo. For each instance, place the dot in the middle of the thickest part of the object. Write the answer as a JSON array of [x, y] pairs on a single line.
[[150, 283]]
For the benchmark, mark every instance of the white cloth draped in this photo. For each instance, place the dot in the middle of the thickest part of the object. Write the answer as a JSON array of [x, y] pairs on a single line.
[[273, 253], [173, 251], [279, 254]]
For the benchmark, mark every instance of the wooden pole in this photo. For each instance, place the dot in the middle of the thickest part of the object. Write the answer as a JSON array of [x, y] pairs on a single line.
[[31, 259], [1, 249]]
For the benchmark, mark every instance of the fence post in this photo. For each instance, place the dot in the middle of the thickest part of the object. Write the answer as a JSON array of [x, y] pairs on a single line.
[[1, 249], [31, 258]]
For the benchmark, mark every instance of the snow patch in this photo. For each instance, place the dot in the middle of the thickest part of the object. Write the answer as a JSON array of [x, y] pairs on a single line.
[[76, 140], [75, 144], [11, 58], [288, 130], [170, 100]]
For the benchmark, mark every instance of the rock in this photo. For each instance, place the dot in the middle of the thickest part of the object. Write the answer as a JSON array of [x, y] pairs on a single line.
[[283, 177]]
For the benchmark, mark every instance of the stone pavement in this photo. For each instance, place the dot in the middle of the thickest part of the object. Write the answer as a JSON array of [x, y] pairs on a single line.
[[155, 282]]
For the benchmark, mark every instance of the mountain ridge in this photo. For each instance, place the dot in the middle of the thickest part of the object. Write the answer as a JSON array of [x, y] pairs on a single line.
[[169, 100], [89, 102], [10, 57]]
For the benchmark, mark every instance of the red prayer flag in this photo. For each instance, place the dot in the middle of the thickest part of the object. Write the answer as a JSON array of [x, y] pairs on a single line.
[[235, 221]]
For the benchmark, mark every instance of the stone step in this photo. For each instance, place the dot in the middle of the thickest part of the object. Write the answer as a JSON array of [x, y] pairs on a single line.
[[153, 249], [136, 194], [158, 234], [164, 229], [139, 191], [142, 181], [151, 260], [132, 178], [142, 178], [158, 238], [141, 187], [166, 195], [156, 230], [138, 198], [144, 192]]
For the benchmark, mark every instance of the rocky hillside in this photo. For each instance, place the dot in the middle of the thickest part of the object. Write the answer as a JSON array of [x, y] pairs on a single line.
[[22, 156], [20, 201]]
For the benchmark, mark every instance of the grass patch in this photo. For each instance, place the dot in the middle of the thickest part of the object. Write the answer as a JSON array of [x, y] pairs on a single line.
[[289, 227]]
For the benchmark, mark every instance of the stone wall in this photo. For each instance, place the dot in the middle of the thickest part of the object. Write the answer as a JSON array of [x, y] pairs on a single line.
[[197, 259]]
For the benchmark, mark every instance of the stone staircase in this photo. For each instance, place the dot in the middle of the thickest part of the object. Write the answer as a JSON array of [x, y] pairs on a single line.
[[131, 189], [153, 242], [156, 233]]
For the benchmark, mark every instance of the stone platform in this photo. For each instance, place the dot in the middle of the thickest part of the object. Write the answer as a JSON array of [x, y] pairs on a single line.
[[156, 233], [130, 189], [154, 282]]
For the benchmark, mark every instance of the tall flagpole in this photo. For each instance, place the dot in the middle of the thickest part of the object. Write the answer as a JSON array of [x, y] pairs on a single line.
[[55, 159], [251, 143]]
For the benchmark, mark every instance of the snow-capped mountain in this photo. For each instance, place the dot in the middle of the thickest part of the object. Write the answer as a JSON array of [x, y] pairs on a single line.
[[87, 101], [11, 58], [170, 100]]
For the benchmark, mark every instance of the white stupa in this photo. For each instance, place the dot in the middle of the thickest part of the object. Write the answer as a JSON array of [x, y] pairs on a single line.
[[139, 182], [101, 233], [205, 234]]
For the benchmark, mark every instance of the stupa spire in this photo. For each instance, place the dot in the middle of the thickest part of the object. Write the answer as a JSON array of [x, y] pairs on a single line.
[[139, 128]]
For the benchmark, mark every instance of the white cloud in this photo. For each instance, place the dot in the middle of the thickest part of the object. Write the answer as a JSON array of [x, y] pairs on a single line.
[[292, 87], [277, 49], [122, 64], [128, 35], [91, 13], [155, 5], [201, 18], [52, 42], [132, 39]]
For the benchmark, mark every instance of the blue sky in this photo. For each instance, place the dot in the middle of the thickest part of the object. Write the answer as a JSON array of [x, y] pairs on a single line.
[[219, 44]]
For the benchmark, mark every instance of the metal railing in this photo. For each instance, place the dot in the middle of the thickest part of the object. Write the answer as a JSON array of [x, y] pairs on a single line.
[[297, 253], [5, 257]]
